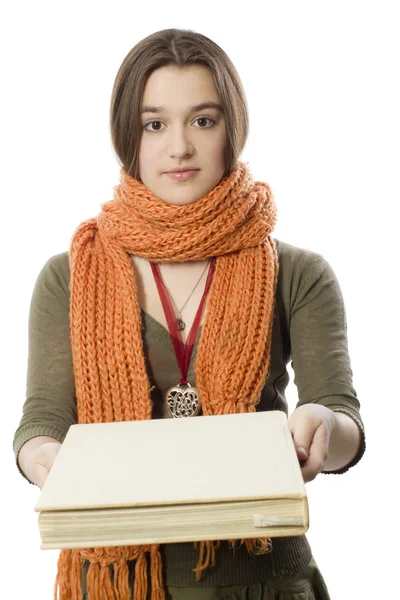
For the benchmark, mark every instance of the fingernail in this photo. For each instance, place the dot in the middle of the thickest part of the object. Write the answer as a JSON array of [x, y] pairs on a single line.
[[302, 450]]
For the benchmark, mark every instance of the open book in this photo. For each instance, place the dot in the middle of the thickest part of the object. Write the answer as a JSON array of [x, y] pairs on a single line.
[[174, 480]]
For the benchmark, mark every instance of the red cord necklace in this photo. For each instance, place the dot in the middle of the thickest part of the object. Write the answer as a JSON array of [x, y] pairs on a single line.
[[182, 400]]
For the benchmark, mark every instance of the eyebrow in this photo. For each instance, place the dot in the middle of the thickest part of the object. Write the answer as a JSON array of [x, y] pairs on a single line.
[[197, 107]]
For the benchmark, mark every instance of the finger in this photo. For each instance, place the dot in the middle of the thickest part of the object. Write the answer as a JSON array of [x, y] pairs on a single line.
[[302, 435], [47, 454], [41, 475], [318, 454], [302, 455], [311, 469]]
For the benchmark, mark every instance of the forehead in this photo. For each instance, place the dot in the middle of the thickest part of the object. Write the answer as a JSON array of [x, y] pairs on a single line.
[[171, 87]]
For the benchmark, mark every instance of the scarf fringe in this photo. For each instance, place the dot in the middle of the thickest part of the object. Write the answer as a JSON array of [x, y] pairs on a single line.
[[108, 575], [208, 550], [63, 579], [121, 580], [255, 546], [93, 582], [259, 546], [157, 590], [140, 584]]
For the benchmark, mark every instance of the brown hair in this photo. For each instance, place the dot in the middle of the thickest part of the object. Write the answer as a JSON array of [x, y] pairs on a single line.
[[180, 47]]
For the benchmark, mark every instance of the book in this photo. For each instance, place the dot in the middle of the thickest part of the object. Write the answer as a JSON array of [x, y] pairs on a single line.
[[174, 480]]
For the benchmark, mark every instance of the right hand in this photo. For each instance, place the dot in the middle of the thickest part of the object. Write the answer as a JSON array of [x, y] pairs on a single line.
[[38, 462]]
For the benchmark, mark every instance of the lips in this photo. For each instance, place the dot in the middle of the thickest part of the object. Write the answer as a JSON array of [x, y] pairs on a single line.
[[182, 175], [182, 170]]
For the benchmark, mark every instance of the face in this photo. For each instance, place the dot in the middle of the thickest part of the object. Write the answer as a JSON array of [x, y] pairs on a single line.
[[176, 135]]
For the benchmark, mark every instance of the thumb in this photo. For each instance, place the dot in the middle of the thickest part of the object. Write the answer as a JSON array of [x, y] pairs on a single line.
[[299, 441], [46, 454], [301, 453], [301, 430], [45, 457], [41, 474]]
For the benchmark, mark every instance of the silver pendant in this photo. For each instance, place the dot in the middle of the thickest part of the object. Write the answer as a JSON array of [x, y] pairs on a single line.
[[183, 401], [180, 324]]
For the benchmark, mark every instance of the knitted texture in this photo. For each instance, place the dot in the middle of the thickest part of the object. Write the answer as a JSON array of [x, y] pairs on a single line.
[[232, 223]]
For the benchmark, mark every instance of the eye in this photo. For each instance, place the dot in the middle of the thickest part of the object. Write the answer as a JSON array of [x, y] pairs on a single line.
[[205, 119], [212, 121], [150, 123]]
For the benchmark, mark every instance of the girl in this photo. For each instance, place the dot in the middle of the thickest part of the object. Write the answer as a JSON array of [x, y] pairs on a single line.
[[175, 301]]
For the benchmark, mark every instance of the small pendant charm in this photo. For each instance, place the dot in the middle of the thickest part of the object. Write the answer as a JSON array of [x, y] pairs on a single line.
[[180, 324], [183, 401]]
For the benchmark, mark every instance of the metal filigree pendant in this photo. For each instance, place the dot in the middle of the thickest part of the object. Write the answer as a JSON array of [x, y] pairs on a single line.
[[180, 324], [183, 401]]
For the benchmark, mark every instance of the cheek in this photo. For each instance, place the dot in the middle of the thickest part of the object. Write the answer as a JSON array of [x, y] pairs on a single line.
[[218, 142], [147, 152], [147, 147], [216, 150]]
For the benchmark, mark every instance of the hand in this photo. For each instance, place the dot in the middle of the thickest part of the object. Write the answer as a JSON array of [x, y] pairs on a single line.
[[311, 426], [38, 462]]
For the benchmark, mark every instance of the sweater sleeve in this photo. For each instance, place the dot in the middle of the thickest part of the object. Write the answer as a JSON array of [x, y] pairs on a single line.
[[319, 346], [50, 405]]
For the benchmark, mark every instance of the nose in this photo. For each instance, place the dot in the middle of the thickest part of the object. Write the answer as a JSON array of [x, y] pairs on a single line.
[[180, 144]]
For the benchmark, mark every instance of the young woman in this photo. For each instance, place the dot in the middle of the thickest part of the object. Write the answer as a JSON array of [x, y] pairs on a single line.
[[183, 257]]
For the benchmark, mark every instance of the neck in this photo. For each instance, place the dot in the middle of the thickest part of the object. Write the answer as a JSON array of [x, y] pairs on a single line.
[[177, 276], [179, 269], [190, 266]]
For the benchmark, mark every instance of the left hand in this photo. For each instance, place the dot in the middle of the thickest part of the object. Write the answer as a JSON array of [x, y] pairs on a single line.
[[311, 426]]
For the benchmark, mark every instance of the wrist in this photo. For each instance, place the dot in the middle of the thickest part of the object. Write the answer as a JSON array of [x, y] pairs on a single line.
[[344, 442]]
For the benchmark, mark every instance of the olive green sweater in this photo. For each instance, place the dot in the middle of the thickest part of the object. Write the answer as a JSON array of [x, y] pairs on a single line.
[[309, 329]]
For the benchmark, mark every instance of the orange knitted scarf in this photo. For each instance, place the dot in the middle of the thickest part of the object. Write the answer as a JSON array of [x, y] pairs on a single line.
[[233, 223]]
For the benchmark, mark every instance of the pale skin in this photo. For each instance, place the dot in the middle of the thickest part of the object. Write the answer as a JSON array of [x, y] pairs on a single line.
[[178, 136]]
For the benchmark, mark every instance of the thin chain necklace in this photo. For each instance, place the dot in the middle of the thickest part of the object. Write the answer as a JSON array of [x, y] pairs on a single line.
[[180, 324], [182, 400]]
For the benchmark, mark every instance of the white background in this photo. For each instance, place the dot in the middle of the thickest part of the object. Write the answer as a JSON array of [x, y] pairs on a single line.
[[321, 80]]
